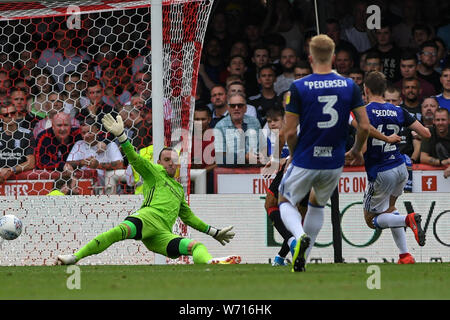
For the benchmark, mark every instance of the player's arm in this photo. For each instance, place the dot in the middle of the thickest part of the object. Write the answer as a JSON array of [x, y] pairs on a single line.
[[355, 156], [290, 131], [142, 166], [374, 133], [362, 128], [188, 217]]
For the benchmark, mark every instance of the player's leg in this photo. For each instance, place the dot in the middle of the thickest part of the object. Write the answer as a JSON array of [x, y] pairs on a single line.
[[323, 187], [381, 196], [130, 228], [174, 246], [271, 206], [295, 185]]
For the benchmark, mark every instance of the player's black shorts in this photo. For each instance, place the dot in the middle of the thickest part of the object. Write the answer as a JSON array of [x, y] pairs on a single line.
[[273, 188]]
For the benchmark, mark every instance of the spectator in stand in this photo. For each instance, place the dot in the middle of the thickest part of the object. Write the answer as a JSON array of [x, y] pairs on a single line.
[[259, 58], [63, 55], [218, 30], [238, 86], [40, 91], [420, 33], [202, 152], [429, 107], [280, 18], [393, 95], [253, 33], [240, 48], [333, 30], [16, 147], [53, 145], [408, 69], [202, 140], [237, 138], [389, 52], [444, 97], [85, 154], [411, 93], [343, 61], [410, 144], [143, 123], [54, 105], [442, 55], [73, 87], [64, 187], [132, 120], [96, 107], [275, 121], [5, 84], [357, 75], [288, 60], [307, 39], [19, 100], [267, 98], [218, 104], [402, 32], [212, 64], [275, 42], [236, 66], [373, 62], [425, 69], [357, 34], [435, 151], [302, 69], [114, 94]]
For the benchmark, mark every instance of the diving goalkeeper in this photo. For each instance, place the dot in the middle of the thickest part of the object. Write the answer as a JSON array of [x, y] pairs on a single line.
[[164, 201]]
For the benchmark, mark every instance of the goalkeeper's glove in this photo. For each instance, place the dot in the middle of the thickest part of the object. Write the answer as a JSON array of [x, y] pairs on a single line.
[[115, 126], [222, 235]]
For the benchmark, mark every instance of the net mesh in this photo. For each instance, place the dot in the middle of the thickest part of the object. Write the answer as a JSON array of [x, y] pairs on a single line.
[[65, 64]]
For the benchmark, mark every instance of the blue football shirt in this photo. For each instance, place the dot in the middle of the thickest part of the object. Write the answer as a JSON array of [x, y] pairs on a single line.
[[388, 119], [323, 103]]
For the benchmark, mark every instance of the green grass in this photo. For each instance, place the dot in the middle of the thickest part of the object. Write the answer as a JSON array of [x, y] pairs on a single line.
[[234, 282]]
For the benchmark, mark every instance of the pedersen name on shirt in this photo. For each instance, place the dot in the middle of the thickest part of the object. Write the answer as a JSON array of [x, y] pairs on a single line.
[[384, 113], [320, 84]]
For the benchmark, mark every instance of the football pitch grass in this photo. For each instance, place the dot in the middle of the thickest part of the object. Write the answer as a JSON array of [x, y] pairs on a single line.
[[227, 282]]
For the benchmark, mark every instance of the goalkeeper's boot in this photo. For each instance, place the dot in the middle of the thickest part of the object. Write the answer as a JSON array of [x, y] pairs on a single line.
[[278, 261], [66, 259], [406, 258], [225, 260], [299, 258], [413, 221]]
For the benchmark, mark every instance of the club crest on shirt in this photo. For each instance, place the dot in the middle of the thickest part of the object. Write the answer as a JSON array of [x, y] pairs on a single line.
[[287, 98]]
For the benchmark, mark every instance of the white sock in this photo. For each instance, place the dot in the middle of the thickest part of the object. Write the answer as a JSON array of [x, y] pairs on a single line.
[[389, 220], [399, 236], [291, 219], [290, 241], [313, 223]]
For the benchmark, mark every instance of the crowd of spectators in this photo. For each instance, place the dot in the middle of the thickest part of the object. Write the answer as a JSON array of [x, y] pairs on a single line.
[[54, 94]]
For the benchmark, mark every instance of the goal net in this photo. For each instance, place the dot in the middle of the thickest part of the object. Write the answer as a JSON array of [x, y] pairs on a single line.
[[64, 65]]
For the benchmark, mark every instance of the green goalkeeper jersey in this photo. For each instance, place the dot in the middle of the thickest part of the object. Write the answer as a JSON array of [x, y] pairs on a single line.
[[164, 198]]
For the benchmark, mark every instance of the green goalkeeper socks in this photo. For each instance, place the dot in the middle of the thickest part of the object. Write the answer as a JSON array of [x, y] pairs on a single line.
[[103, 241], [200, 254]]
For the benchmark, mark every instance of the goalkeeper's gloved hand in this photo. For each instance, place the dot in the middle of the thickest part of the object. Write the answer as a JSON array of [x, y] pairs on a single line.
[[115, 126], [222, 235]]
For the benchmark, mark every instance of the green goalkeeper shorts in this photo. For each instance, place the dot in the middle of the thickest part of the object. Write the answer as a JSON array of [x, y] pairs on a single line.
[[152, 232]]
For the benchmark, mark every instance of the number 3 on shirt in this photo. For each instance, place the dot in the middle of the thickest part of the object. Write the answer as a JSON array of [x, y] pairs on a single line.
[[329, 101]]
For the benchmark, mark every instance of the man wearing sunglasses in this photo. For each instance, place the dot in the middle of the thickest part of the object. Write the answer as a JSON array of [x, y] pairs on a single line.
[[238, 137], [16, 145]]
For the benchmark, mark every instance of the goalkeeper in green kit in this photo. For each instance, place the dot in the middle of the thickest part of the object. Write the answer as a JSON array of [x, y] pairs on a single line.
[[164, 201]]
